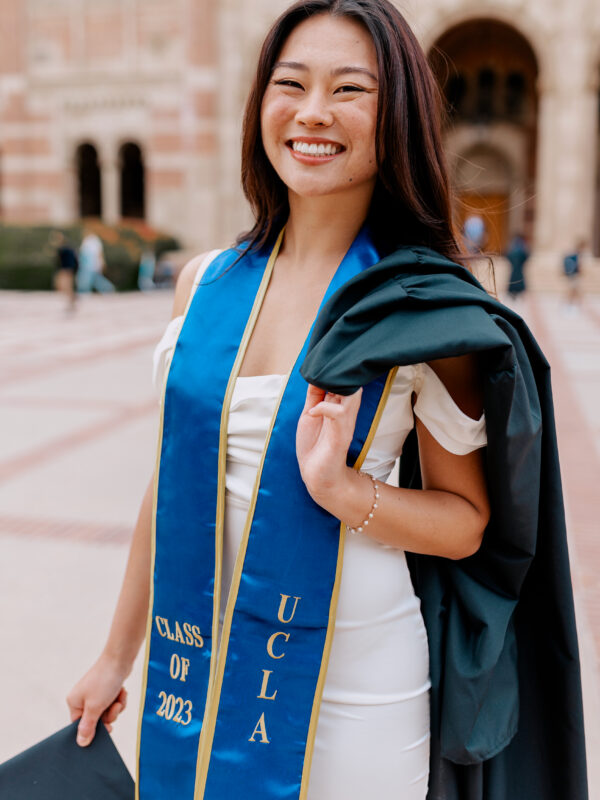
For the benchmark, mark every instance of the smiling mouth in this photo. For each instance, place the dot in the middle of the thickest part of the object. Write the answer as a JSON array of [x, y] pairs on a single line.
[[316, 150]]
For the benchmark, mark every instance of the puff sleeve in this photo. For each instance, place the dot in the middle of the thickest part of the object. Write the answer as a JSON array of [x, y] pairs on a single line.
[[452, 428], [163, 352]]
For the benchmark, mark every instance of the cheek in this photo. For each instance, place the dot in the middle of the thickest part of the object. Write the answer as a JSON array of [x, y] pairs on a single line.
[[364, 129], [275, 112]]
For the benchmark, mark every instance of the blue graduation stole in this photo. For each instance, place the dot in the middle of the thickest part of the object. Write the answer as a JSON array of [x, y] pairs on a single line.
[[233, 714]]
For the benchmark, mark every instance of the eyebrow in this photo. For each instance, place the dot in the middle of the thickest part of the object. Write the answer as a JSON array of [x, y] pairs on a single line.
[[334, 72]]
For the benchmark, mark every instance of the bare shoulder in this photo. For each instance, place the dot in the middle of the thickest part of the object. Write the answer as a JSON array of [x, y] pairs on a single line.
[[461, 377], [185, 282]]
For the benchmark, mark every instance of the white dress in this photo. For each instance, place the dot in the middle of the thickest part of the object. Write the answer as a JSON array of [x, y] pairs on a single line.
[[372, 737]]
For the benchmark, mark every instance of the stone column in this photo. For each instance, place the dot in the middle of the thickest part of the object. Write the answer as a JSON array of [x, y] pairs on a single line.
[[199, 222], [574, 175], [245, 24], [545, 179], [234, 83], [67, 207], [111, 185], [565, 168]]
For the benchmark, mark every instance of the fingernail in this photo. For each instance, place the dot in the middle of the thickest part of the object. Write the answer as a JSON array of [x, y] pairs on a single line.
[[81, 739]]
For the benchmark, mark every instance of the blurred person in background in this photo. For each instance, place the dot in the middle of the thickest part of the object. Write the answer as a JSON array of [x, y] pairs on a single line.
[[517, 255], [146, 269], [474, 233], [66, 268], [572, 272], [165, 273], [91, 265]]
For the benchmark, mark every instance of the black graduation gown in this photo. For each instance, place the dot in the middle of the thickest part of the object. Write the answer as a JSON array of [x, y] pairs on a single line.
[[506, 706]]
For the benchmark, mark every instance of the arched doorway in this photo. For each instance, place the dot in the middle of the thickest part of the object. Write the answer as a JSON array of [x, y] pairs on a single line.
[[88, 181], [132, 181], [488, 72], [486, 168]]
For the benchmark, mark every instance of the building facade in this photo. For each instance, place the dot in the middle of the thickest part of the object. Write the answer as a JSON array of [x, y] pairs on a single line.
[[132, 109]]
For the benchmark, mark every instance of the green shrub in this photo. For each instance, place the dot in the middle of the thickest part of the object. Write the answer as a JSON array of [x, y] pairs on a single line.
[[27, 258]]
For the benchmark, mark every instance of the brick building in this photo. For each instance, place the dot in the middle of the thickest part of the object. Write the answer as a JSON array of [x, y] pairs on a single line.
[[132, 108]]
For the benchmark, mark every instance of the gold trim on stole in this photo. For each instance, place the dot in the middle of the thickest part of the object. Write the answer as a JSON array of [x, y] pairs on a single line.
[[214, 254], [219, 653], [217, 669], [312, 728], [149, 621], [151, 597], [211, 719]]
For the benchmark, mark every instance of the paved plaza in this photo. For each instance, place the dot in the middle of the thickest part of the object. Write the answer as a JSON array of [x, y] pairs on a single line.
[[78, 427]]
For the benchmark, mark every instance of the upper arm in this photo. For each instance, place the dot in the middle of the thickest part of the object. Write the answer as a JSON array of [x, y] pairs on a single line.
[[185, 283], [461, 475], [460, 375], [163, 351]]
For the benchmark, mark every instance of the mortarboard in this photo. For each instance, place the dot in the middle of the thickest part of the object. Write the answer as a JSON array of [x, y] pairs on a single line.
[[57, 768]]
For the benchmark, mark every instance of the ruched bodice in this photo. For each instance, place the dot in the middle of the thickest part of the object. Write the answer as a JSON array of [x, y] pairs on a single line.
[[250, 413]]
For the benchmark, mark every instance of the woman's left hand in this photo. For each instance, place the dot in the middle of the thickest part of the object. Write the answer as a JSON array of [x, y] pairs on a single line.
[[324, 433]]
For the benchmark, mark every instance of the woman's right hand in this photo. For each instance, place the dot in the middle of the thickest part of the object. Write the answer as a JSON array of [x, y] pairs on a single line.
[[99, 695]]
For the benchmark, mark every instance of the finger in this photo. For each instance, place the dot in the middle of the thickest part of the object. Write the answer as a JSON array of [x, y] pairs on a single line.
[[344, 399], [122, 698], [75, 709], [86, 729], [116, 707], [314, 395], [329, 410], [351, 399], [108, 727], [112, 713]]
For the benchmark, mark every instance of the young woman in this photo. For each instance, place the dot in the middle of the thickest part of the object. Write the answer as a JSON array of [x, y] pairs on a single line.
[[272, 670]]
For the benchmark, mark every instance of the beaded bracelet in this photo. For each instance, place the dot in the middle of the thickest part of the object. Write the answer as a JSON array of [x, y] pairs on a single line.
[[359, 528]]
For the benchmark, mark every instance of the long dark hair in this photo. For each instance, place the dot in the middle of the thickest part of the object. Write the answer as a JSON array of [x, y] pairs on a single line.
[[412, 201]]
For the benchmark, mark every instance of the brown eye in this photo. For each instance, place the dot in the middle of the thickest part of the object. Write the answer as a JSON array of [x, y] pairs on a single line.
[[288, 82], [349, 88]]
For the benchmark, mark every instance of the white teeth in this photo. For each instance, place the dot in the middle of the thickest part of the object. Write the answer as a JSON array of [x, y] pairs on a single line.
[[315, 149]]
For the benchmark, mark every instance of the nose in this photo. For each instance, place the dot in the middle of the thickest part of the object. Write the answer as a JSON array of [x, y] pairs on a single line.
[[314, 110]]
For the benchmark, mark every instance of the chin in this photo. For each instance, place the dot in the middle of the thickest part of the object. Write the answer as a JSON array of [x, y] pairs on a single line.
[[313, 191], [315, 186]]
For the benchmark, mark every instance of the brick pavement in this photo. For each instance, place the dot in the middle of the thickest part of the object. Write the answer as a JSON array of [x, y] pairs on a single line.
[[571, 342], [572, 345], [78, 430]]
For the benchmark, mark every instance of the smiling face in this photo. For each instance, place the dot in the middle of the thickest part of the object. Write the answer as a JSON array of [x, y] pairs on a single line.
[[319, 112]]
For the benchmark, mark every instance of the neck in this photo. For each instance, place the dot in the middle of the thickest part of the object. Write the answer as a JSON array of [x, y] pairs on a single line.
[[320, 230]]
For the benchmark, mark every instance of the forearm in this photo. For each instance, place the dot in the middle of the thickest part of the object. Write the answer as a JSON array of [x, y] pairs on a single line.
[[446, 518], [426, 521], [129, 621]]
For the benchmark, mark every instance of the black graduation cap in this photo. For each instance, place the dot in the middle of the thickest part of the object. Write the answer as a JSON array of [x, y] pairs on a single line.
[[59, 769]]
